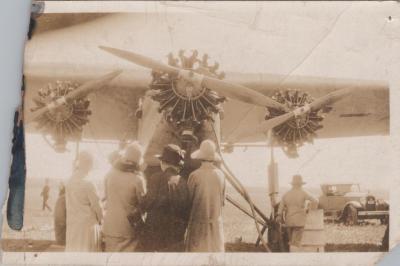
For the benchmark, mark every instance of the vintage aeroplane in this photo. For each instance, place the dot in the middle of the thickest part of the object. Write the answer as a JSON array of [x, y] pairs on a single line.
[[101, 79]]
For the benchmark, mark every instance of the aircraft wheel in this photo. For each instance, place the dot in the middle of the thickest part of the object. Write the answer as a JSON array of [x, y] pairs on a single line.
[[384, 220]]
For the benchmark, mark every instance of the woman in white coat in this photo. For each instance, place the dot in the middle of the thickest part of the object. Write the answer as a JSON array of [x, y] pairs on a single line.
[[205, 232], [84, 213]]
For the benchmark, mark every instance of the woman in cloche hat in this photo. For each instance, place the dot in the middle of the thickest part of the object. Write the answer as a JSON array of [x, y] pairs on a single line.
[[207, 193], [124, 190]]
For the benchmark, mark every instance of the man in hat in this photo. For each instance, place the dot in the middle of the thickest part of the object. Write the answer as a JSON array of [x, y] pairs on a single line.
[[124, 192], [293, 209], [84, 213], [206, 195], [166, 204]]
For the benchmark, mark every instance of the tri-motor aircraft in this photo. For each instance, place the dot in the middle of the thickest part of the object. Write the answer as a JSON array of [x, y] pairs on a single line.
[[111, 77]]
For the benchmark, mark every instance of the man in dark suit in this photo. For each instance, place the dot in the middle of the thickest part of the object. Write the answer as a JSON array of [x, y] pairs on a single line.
[[166, 204]]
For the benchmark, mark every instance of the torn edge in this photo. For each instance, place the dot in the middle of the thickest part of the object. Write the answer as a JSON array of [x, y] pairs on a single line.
[[17, 177], [16, 181], [37, 9]]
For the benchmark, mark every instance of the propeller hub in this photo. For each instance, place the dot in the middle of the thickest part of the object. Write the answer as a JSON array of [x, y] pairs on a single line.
[[188, 85], [183, 98]]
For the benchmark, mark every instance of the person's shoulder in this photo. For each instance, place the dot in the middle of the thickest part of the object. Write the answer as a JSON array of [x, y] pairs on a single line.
[[219, 172], [138, 178], [288, 193], [87, 184], [156, 173], [195, 174], [110, 173], [284, 195], [305, 191]]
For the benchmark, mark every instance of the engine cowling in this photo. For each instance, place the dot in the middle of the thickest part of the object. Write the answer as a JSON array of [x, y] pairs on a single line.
[[185, 104], [302, 128], [63, 122]]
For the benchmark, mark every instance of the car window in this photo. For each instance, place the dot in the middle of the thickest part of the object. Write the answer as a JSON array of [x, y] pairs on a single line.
[[355, 188]]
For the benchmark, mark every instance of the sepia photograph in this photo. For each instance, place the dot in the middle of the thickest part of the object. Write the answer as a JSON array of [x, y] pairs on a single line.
[[208, 127]]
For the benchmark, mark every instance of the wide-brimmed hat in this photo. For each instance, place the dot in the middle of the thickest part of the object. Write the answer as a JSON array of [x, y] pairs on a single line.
[[172, 154], [206, 152], [133, 154], [297, 180]]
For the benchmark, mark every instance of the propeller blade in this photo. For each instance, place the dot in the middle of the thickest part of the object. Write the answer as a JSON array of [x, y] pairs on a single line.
[[81, 91], [330, 98], [93, 85], [241, 93], [224, 88], [141, 60], [34, 115], [269, 124], [263, 127]]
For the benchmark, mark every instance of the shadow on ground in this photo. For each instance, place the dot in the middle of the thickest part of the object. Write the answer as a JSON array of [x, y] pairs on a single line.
[[13, 245]]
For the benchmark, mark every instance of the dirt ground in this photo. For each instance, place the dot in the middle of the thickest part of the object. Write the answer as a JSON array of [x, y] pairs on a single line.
[[240, 232]]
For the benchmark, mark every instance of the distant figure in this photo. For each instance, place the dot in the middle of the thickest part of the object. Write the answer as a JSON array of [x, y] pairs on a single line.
[[172, 61], [204, 61], [45, 194], [182, 57], [60, 217], [166, 203], [84, 213], [292, 209], [221, 75], [214, 68], [205, 231], [124, 191], [192, 59]]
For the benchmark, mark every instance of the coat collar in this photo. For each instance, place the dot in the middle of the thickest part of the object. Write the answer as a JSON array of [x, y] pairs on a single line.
[[207, 165]]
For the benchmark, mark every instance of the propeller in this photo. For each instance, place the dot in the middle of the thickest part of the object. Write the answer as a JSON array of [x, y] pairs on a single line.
[[81, 91], [269, 124], [224, 88]]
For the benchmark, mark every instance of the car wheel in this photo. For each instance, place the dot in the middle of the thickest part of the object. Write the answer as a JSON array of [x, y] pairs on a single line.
[[351, 217]]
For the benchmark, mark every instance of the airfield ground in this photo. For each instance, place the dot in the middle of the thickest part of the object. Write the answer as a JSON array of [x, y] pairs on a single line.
[[240, 233]]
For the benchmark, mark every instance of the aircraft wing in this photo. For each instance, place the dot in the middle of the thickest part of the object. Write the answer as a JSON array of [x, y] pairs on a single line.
[[112, 107], [70, 52], [364, 112]]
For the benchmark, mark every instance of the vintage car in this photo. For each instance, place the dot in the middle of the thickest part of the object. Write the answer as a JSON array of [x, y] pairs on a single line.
[[348, 204]]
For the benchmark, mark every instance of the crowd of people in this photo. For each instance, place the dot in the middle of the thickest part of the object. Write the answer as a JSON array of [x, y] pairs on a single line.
[[158, 210]]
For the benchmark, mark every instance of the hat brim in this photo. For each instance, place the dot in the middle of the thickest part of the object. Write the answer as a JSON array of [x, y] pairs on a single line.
[[162, 159], [123, 160], [297, 183], [198, 155]]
